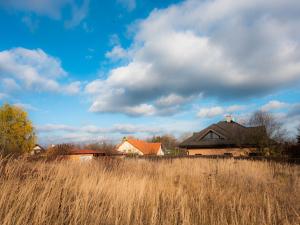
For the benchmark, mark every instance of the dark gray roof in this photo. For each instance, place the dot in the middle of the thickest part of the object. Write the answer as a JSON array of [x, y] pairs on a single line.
[[232, 135]]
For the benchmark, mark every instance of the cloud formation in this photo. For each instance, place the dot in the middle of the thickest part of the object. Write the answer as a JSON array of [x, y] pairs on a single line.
[[210, 112], [91, 129], [275, 105], [222, 49], [61, 133], [3, 96], [51, 8], [33, 70], [116, 53]]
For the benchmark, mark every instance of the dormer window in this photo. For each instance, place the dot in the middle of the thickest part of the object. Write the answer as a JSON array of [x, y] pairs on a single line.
[[211, 136]]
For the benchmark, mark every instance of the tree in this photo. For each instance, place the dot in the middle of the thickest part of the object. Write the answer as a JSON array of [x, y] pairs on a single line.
[[58, 150], [270, 132], [168, 141], [109, 148], [298, 136], [17, 134], [273, 127]]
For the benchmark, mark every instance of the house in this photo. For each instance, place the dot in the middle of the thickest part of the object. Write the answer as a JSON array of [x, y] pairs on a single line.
[[84, 154], [139, 147], [37, 149], [224, 138]]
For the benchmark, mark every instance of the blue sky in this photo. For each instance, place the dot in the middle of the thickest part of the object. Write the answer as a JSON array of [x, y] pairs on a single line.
[[100, 70]]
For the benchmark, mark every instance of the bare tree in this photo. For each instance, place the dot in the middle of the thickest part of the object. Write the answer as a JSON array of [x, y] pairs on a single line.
[[59, 150], [270, 132], [298, 136], [273, 127], [108, 147]]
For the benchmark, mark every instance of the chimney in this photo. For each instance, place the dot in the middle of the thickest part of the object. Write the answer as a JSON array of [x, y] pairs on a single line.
[[228, 118]]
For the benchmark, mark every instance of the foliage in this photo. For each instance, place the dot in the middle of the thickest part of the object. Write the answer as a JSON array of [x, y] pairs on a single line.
[[17, 134], [168, 141], [169, 144], [141, 192]]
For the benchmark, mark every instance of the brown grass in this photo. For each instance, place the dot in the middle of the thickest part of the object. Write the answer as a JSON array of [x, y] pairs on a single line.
[[182, 191]]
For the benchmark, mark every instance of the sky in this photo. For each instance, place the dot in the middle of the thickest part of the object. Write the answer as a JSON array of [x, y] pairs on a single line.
[[92, 71]]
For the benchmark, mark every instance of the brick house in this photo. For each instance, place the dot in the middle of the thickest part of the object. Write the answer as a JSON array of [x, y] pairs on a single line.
[[139, 147], [224, 138]]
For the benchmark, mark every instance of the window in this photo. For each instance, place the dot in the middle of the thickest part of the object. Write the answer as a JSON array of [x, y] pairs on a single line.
[[211, 136]]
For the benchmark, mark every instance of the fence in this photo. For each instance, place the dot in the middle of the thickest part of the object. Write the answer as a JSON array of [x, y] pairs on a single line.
[[253, 158]]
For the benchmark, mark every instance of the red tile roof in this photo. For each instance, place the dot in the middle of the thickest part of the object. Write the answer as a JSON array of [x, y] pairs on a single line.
[[147, 148]]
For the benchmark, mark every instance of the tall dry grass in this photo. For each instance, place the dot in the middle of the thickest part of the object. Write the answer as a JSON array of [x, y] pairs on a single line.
[[182, 191]]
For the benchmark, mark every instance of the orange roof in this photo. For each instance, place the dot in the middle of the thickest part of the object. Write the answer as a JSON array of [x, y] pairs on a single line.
[[147, 148]]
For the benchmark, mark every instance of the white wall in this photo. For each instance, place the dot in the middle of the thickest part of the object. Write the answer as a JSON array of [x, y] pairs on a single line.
[[160, 152], [126, 147], [86, 158]]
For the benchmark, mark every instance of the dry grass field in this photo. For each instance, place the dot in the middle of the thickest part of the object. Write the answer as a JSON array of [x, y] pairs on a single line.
[[140, 192]]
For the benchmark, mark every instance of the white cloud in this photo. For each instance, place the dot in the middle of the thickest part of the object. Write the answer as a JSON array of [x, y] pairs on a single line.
[[210, 112], [116, 53], [170, 100], [78, 14], [92, 129], [142, 109], [33, 70], [9, 84], [114, 40], [55, 127], [50, 8], [292, 118], [76, 138], [72, 88], [62, 133], [121, 128], [3, 96], [274, 105], [128, 4], [223, 49]]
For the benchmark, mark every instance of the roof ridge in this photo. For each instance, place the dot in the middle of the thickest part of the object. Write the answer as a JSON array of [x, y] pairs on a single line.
[[144, 146], [234, 122], [146, 142]]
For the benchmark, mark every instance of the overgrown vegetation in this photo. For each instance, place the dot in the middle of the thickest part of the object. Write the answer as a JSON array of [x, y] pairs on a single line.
[[107, 147], [169, 144], [57, 150], [141, 192], [271, 136], [298, 136]]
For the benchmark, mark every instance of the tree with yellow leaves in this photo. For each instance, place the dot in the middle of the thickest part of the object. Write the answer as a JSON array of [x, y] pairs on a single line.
[[17, 134]]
